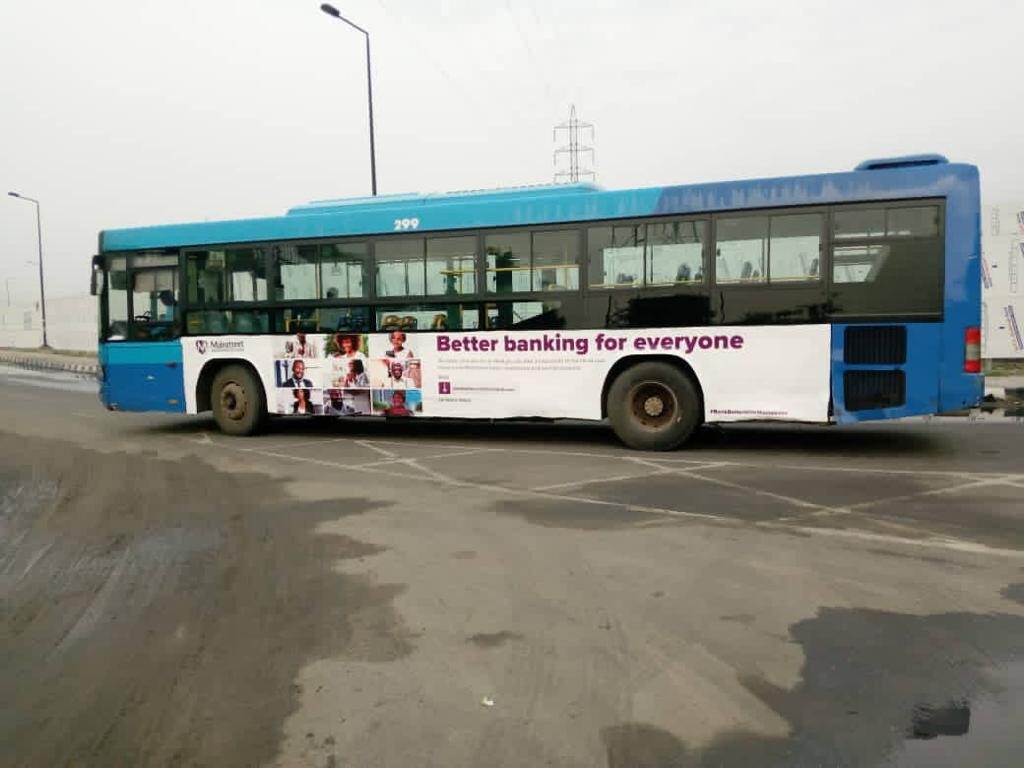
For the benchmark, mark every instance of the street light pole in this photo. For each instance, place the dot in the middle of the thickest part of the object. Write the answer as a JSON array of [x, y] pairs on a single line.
[[39, 239], [330, 10]]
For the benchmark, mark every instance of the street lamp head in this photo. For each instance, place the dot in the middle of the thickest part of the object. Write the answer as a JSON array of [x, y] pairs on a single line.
[[330, 10]]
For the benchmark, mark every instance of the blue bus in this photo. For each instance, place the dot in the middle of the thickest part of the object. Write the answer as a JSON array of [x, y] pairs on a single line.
[[830, 298]]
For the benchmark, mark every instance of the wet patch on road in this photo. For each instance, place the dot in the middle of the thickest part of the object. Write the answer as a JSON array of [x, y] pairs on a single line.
[[1014, 592], [639, 745], [579, 515], [493, 639], [157, 612], [876, 688], [914, 555]]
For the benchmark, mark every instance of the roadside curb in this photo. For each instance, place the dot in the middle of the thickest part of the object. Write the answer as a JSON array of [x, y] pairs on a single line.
[[47, 364]]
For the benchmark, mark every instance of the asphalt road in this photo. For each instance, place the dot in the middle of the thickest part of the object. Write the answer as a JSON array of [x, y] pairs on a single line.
[[442, 594]]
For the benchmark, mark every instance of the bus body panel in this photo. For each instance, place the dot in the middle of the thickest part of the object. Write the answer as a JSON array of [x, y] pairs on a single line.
[[962, 296], [142, 376], [917, 372], [746, 373]]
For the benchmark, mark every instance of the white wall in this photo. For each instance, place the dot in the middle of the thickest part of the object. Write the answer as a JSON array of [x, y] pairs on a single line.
[[71, 324], [1002, 277]]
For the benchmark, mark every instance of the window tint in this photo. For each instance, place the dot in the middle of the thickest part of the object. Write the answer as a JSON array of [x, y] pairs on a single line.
[[865, 222], [675, 252], [913, 222], [902, 276], [615, 256], [154, 295], [525, 315], [213, 321], [795, 247], [141, 260], [234, 274], [247, 273], [117, 299], [297, 265], [556, 258], [401, 269], [343, 271], [451, 265], [429, 317], [322, 319], [742, 249], [858, 263], [508, 262]]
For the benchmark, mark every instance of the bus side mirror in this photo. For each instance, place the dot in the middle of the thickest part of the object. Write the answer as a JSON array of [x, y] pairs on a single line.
[[96, 279]]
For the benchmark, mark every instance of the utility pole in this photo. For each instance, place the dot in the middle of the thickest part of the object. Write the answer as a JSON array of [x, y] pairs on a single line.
[[573, 149]]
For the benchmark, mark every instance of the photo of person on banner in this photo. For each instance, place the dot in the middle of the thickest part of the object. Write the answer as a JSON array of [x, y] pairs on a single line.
[[299, 347], [398, 349], [346, 346], [298, 378], [356, 376], [392, 374]]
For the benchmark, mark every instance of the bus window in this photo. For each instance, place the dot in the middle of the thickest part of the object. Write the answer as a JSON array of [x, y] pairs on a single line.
[[213, 321], [556, 257], [858, 223], [298, 272], [675, 254], [742, 248], [401, 267], [794, 250], [451, 265], [322, 319], [508, 262], [117, 299], [857, 263], [154, 303], [913, 222], [234, 274], [525, 315], [429, 317], [343, 271], [615, 256]]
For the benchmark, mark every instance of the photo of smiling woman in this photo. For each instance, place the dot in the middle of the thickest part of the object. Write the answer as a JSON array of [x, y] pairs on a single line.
[[300, 401], [397, 402]]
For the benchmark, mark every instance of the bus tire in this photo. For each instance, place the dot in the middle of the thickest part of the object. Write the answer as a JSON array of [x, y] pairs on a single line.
[[239, 406], [654, 406]]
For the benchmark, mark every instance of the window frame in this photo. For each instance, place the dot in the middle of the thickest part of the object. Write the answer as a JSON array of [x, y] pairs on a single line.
[[824, 249], [692, 287], [481, 298], [940, 236]]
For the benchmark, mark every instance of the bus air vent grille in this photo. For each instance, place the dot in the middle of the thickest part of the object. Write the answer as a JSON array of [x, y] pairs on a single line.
[[875, 345], [868, 390]]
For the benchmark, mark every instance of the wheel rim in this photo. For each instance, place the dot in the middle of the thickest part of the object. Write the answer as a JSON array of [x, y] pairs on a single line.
[[653, 405], [233, 401]]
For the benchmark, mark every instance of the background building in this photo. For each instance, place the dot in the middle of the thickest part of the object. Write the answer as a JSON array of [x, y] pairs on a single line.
[[1002, 269]]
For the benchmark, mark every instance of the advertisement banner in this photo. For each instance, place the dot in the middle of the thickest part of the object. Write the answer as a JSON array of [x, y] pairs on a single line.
[[746, 373]]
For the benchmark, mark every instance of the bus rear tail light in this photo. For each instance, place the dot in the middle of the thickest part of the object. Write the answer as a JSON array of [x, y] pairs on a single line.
[[972, 350]]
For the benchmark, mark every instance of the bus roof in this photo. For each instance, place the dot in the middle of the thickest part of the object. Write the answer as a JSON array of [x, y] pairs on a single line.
[[885, 179]]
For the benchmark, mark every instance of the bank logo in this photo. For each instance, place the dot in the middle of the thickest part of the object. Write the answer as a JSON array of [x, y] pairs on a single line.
[[444, 387], [201, 346]]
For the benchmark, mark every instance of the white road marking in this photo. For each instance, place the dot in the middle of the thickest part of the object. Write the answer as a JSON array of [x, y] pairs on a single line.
[[377, 448]]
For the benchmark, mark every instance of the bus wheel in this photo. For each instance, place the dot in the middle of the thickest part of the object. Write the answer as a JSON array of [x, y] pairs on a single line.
[[653, 406], [237, 400]]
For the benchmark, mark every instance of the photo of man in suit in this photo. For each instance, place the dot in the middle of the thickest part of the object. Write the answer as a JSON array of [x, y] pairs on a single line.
[[298, 379]]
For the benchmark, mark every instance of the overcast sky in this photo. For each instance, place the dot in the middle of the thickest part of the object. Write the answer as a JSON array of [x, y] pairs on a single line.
[[133, 112]]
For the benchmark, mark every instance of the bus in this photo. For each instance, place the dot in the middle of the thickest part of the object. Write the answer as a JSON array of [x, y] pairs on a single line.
[[831, 298]]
